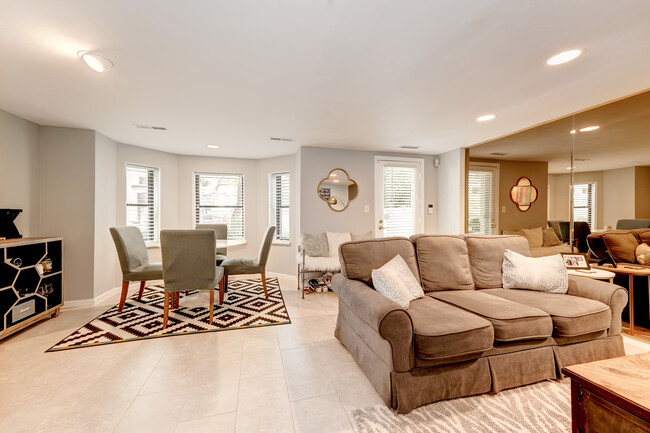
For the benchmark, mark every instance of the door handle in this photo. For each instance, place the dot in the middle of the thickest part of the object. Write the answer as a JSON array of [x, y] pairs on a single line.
[[381, 227]]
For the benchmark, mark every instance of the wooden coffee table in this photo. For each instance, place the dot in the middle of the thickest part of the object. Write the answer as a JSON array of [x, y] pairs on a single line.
[[612, 395]]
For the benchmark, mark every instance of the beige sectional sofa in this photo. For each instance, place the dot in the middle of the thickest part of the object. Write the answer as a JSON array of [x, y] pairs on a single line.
[[467, 335]]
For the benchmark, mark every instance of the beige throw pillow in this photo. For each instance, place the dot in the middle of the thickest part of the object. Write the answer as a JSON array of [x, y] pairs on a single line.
[[395, 281], [642, 254], [362, 237], [534, 236], [336, 239], [550, 238]]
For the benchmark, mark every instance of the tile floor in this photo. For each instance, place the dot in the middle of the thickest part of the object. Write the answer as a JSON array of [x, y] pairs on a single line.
[[288, 378]]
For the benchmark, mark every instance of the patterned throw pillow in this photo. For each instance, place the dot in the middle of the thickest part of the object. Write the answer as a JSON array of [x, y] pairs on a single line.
[[543, 274], [395, 281], [315, 245], [643, 254], [550, 238], [362, 237]]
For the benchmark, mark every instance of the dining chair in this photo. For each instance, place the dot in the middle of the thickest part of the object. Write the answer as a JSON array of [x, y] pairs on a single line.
[[189, 264], [134, 260], [222, 233], [242, 266]]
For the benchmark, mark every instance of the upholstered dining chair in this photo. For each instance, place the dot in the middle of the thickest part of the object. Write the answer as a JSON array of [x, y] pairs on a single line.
[[134, 260], [240, 266], [189, 264], [222, 233]]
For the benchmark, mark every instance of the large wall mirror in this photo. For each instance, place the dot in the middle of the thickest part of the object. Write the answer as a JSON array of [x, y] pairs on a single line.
[[338, 190]]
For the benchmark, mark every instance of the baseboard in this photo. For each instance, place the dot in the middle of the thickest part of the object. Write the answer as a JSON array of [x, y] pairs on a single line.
[[283, 276], [92, 301]]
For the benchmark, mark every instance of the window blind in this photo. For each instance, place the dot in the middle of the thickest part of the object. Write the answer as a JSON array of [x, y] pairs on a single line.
[[279, 208], [480, 202], [219, 199], [142, 200], [584, 202], [399, 201]]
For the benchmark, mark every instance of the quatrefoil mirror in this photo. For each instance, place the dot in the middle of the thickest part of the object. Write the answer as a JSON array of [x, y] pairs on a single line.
[[338, 190], [523, 194]]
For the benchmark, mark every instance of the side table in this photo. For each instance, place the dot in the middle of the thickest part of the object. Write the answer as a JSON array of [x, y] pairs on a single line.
[[596, 274]]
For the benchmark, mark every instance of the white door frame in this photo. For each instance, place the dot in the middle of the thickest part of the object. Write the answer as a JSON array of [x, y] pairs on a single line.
[[379, 189], [496, 167]]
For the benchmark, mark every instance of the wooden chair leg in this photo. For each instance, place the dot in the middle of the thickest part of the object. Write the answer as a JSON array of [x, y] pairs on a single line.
[[141, 290], [225, 283], [177, 300], [211, 305], [125, 291], [167, 298], [222, 284], [264, 286]]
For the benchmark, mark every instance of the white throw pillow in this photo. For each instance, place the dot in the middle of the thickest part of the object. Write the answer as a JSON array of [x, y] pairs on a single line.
[[544, 274], [395, 281], [336, 239]]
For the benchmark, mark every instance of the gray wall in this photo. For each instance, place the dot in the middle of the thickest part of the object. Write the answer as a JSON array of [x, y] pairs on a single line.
[[317, 217], [451, 192], [19, 171]]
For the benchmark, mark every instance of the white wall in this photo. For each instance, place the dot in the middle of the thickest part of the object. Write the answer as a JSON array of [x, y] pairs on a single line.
[[317, 217], [619, 195], [451, 192], [19, 171]]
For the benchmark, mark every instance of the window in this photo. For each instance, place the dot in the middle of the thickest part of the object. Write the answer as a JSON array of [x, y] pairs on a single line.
[[142, 192], [279, 205], [219, 199], [481, 199], [584, 203]]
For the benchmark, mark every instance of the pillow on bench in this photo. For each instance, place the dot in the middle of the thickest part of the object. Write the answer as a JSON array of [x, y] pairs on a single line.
[[315, 245]]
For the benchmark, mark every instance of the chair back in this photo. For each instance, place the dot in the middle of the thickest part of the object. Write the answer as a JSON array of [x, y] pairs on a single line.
[[265, 247], [222, 233], [631, 224], [130, 246], [188, 259]]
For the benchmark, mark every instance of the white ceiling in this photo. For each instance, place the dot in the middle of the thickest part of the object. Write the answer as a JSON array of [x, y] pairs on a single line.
[[371, 74]]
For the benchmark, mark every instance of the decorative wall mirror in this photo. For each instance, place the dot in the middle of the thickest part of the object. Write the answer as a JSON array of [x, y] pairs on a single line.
[[338, 190], [523, 194]]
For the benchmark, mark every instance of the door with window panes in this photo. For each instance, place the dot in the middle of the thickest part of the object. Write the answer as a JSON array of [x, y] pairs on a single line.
[[482, 199]]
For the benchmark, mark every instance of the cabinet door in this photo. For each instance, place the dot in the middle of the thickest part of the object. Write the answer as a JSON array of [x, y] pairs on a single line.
[[600, 416]]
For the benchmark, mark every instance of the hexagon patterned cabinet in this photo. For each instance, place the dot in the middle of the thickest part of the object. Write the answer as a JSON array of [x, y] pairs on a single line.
[[31, 282]]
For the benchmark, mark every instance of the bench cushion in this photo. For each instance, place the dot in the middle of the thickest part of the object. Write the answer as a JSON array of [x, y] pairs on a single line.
[[571, 315], [444, 331], [511, 321]]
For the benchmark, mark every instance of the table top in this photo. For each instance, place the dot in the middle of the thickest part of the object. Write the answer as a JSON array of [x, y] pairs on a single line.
[[223, 243], [626, 377], [627, 269], [592, 273]]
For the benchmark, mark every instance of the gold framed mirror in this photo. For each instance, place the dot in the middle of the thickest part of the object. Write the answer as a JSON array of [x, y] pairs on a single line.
[[338, 189]]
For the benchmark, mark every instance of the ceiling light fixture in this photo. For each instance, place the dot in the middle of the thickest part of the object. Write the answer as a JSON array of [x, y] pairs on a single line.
[[589, 128], [486, 117], [212, 146], [573, 131], [563, 57], [569, 168], [96, 62]]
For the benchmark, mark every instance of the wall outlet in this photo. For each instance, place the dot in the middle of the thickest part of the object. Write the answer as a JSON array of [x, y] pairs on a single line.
[[503, 209], [366, 208]]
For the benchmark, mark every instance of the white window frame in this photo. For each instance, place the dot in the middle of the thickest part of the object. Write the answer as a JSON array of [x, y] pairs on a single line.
[[197, 205], [496, 168], [272, 207], [154, 199], [594, 206]]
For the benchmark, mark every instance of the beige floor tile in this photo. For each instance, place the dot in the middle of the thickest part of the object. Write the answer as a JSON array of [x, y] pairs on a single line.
[[323, 414], [158, 412], [294, 336], [352, 386], [333, 352], [214, 399], [260, 362], [305, 374], [263, 405], [224, 423]]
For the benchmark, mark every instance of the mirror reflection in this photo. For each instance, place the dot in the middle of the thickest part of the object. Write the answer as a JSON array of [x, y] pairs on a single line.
[[338, 190]]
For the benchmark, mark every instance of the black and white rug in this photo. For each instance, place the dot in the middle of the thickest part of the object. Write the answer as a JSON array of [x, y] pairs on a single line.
[[244, 307]]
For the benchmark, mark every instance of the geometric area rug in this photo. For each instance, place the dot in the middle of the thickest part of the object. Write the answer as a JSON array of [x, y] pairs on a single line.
[[244, 306], [544, 407]]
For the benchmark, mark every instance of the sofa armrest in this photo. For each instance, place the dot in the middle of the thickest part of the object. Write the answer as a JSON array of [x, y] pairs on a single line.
[[609, 294], [391, 321]]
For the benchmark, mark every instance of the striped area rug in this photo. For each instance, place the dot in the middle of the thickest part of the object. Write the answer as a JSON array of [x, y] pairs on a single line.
[[244, 307], [544, 407]]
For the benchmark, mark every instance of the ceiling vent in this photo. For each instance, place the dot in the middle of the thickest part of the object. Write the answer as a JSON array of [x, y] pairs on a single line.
[[580, 159], [499, 153], [280, 139], [157, 128], [410, 147]]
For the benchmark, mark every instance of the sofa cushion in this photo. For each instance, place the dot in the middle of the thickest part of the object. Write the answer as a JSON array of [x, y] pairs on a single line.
[[359, 258], [621, 246], [511, 321], [443, 262], [443, 331], [486, 257], [571, 315], [643, 235]]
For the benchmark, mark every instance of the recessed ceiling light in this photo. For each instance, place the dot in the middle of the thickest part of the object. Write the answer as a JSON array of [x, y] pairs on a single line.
[[486, 117], [96, 62], [589, 128], [573, 131], [569, 168], [563, 57], [212, 146]]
